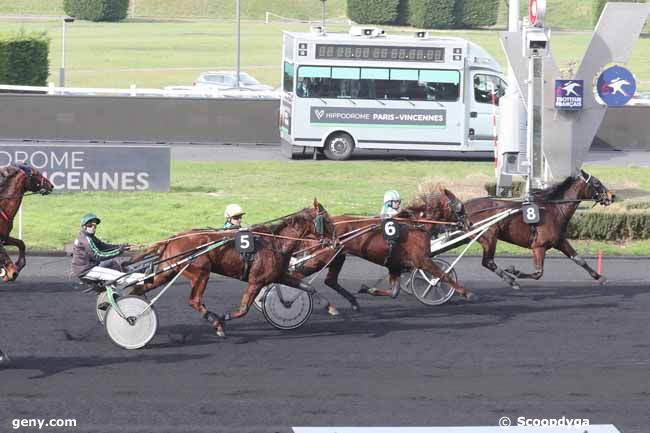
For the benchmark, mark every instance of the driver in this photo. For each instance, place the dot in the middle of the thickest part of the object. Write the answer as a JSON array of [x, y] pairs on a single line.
[[94, 259], [392, 202], [233, 215]]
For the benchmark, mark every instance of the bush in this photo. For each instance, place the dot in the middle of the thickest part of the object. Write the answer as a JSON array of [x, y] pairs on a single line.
[[598, 5], [373, 11], [402, 13], [477, 13], [97, 10], [24, 59], [432, 14], [605, 226]]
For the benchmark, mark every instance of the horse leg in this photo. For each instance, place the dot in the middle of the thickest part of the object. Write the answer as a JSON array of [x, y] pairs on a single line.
[[252, 289], [394, 281], [568, 251], [332, 281], [302, 285], [539, 254], [489, 244], [20, 263], [199, 280]]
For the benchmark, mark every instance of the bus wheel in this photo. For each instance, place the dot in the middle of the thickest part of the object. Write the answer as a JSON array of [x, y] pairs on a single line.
[[339, 147]]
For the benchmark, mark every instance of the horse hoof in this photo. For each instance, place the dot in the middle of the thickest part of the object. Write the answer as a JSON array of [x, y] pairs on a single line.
[[602, 280], [356, 307], [220, 333], [470, 297], [364, 289], [332, 311], [515, 286], [4, 360]]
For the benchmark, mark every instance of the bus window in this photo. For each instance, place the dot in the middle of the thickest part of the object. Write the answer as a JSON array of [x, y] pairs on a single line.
[[485, 85], [287, 79], [440, 85]]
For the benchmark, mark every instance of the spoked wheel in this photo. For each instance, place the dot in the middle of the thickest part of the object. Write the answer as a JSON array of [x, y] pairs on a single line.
[[138, 329], [285, 307], [102, 305], [428, 289]]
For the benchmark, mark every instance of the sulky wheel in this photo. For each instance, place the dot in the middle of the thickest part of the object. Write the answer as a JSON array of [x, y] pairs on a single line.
[[404, 281], [285, 307], [102, 305], [428, 289], [139, 327]]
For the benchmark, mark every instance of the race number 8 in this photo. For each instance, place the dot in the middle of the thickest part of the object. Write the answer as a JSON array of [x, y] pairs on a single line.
[[531, 213], [390, 229]]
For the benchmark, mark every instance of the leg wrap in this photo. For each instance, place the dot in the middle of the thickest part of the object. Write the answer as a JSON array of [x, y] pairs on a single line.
[[395, 290], [579, 261], [211, 317]]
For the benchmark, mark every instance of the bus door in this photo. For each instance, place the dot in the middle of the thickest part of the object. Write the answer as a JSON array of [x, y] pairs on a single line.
[[485, 90]]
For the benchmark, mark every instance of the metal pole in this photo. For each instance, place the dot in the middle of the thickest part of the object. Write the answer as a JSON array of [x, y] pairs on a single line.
[[62, 70], [20, 222], [132, 9], [237, 45], [513, 17], [322, 14]]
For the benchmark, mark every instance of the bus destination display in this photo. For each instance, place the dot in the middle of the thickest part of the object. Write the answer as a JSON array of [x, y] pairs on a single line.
[[380, 53]]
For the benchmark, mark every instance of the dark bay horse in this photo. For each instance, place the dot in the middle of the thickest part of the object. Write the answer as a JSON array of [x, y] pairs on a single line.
[[362, 237], [15, 181], [8, 270], [274, 247], [557, 206]]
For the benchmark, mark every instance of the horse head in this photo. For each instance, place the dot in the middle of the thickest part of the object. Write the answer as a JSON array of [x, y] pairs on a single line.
[[323, 226], [8, 270], [35, 182], [440, 205], [594, 189]]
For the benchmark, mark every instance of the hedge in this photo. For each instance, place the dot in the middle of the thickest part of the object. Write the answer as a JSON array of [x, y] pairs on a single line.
[[604, 226], [432, 14], [24, 59], [373, 11], [477, 13], [598, 5], [97, 10]]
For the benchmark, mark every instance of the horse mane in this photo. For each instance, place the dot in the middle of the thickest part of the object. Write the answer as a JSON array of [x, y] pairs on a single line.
[[6, 174], [555, 191], [275, 228]]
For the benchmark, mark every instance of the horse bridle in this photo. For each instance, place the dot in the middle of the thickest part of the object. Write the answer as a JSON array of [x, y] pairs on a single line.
[[601, 196]]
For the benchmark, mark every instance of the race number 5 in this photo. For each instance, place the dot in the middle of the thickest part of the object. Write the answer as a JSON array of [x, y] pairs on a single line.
[[244, 242], [390, 228], [531, 213]]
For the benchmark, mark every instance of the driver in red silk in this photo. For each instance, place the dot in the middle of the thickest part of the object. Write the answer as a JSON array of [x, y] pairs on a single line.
[[93, 258]]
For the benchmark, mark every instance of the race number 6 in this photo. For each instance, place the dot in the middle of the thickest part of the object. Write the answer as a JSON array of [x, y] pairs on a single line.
[[390, 229]]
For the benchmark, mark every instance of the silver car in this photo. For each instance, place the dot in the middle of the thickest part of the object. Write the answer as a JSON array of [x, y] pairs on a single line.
[[223, 80]]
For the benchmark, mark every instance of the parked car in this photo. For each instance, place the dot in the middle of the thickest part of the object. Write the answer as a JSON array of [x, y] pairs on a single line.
[[222, 80]]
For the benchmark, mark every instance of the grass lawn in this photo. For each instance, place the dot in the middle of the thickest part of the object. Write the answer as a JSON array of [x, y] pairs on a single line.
[[157, 54], [269, 189]]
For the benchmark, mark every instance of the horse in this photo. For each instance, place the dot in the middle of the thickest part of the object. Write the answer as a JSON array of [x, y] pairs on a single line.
[[8, 270], [559, 203], [362, 237], [274, 246], [15, 181]]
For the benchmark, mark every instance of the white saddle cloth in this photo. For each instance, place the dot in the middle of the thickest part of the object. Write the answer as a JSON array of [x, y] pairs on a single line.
[[99, 273]]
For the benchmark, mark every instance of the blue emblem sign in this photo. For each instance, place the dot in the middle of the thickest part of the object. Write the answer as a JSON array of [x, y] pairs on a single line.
[[569, 94], [616, 86]]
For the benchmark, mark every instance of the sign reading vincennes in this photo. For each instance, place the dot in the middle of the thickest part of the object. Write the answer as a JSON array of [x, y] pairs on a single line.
[[95, 167]]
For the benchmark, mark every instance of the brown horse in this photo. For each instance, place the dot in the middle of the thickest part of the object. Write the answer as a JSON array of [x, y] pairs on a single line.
[[363, 237], [274, 246], [557, 204], [8, 270], [15, 181]]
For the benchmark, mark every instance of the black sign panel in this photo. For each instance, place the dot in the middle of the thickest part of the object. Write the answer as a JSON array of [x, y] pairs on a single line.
[[244, 242], [390, 229], [380, 53], [531, 213]]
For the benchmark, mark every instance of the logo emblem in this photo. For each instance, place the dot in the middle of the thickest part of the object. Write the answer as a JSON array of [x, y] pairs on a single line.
[[616, 86], [319, 114], [569, 94]]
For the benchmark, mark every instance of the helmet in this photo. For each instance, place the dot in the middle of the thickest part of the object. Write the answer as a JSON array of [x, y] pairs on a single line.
[[391, 195], [233, 210], [88, 218]]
